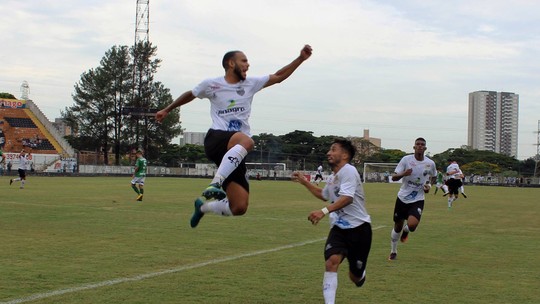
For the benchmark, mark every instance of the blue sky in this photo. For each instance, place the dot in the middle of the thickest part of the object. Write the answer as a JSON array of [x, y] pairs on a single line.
[[401, 69]]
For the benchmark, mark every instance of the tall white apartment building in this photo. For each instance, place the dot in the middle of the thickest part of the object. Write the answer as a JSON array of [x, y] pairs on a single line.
[[493, 122]]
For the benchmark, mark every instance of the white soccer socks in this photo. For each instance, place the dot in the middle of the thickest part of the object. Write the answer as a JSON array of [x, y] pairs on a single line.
[[220, 207], [229, 163], [330, 282]]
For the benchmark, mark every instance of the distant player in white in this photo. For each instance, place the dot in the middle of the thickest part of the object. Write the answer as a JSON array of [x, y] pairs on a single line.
[[416, 172], [454, 174], [318, 175], [350, 233], [23, 166]]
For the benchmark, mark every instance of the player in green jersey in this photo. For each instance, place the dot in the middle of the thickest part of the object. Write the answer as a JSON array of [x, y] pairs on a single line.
[[139, 175]]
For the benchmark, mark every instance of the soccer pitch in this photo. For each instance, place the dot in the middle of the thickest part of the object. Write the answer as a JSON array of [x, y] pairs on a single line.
[[86, 240]]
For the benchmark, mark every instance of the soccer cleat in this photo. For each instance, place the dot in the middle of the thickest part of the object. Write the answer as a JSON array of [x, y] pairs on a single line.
[[404, 237], [197, 214], [464, 196], [393, 256], [139, 198], [10, 182], [214, 191], [445, 194], [361, 282]]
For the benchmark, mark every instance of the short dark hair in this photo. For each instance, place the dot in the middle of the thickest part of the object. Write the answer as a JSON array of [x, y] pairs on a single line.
[[227, 57], [347, 145]]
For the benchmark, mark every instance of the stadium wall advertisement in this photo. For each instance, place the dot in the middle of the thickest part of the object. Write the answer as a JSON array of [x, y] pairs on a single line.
[[12, 103]]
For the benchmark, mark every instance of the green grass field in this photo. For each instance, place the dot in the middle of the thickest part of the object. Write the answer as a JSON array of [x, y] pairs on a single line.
[[86, 240]]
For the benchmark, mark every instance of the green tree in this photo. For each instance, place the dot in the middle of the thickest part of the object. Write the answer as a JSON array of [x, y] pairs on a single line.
[[102, 95], [386, 156], [7, 95], [92, 115], [480, 168]]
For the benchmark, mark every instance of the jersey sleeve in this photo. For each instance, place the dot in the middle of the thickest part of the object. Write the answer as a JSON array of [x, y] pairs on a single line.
[[259, 82], [348, 183], [401, 166], [201, 90]]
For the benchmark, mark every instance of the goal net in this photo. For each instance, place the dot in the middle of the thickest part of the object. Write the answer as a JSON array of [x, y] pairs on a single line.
[[378, 172]]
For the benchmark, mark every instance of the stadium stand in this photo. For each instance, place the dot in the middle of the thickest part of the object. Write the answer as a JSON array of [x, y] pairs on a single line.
[[22, 129]]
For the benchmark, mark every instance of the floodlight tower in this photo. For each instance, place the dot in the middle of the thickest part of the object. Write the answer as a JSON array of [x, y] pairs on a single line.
[[141, 70], [25, 90], [142, 20]]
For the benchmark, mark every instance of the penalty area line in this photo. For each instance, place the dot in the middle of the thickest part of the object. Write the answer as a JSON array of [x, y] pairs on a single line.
[[141, 277]]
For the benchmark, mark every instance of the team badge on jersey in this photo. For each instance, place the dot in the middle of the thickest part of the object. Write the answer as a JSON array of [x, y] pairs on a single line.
[[240, 91]]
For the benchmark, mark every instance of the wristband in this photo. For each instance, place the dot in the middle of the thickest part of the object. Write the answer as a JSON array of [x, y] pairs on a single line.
[[325, 211]]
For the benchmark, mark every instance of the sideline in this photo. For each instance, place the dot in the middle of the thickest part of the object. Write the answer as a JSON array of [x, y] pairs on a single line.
[[141, 277]]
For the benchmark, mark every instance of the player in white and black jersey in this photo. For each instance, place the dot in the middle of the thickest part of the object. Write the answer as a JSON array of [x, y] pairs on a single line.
[[318, 175], [350, 233], [23, 166], [454, 182], [229, 141], [416, 173]]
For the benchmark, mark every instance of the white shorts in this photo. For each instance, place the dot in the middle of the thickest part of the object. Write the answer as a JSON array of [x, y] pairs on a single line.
[[138, 181]]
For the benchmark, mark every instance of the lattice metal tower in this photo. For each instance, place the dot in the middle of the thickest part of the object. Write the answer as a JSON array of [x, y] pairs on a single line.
[[141, 70], [25, 90], [537, 156], [142, 20]]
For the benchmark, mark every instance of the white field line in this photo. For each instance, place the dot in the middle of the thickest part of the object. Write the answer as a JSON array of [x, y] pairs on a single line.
[[141, 277]]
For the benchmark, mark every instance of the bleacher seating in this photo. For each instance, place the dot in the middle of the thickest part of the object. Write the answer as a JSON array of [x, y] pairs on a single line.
[[20, 132], [19, 122]]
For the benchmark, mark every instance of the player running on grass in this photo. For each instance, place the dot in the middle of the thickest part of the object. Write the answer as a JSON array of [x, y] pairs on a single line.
[[229, 139], [415, 171], [350, 233], [23, 165]]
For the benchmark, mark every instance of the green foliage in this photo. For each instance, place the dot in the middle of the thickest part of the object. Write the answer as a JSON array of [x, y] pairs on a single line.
[[492, 161], [7, 95], [480, 168], [386, 156], [104, 92]]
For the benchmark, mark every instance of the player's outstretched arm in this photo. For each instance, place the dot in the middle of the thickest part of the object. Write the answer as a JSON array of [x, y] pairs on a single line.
[[301, 179], [180, 101], [287, 70]]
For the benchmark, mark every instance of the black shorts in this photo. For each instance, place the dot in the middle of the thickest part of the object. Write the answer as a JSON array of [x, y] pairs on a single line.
[[22, 173], [353, 243], [453, 185], [318, 176], [402, 211], [215, 147]]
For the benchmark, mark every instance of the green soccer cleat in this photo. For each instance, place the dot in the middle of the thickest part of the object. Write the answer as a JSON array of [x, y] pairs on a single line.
[[197, 214], [214, 191]]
